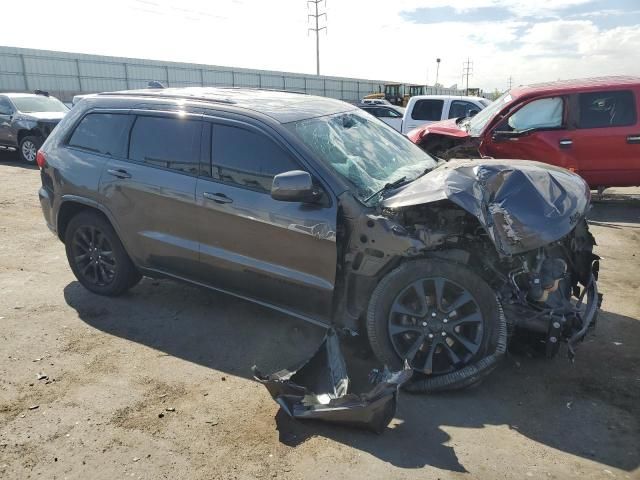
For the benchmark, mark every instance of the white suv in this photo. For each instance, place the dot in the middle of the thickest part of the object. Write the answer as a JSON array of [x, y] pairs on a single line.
[[424, 109]]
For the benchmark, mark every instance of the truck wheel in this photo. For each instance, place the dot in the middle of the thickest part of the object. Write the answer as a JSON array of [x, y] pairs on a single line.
[[442, 318], [29, 148], [97, 256]]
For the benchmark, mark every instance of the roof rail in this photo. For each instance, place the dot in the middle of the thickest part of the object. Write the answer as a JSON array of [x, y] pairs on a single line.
[[142, 93]]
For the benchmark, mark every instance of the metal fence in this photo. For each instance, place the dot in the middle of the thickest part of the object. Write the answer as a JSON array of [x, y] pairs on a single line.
[[67, 74]]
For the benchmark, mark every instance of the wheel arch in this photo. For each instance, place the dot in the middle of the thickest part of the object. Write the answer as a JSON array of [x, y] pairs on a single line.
[[26, 132]]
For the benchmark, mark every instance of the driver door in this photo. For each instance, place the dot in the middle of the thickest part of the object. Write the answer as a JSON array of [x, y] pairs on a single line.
[[535, 131], [278, 252]]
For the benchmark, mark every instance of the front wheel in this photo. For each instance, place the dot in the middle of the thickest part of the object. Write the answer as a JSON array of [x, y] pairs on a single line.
[[29, 148], [440, 317]]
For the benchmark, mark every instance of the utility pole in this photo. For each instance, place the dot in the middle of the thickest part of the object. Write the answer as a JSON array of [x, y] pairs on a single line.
[[510, 82], [437, 71], [317, 28], [467, 69]]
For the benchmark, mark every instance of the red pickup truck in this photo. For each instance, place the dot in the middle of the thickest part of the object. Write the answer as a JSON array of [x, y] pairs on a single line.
[[588, 126]]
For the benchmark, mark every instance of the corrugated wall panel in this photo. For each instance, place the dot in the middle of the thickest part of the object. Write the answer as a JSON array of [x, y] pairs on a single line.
[[101, 69], [246, 80], [294, 83], [184, 75], [70, 73], [50, 66], [11, 81], [103, 84], [216, 77], [272, 81], [10, 64], [143, 72], [49, 82]]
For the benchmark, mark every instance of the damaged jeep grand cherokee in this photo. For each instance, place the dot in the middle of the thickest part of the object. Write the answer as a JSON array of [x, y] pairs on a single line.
[[309, 206]]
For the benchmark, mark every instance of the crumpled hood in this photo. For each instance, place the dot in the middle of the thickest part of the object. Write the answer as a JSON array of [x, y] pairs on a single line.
[[522, 204], [448, 128]]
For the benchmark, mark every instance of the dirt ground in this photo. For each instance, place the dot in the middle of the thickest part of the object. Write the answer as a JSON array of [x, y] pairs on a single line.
[[157, 383]]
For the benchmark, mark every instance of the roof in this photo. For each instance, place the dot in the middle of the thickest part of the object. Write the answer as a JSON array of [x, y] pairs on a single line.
[[562, 86], [284, 107], [19, 94], [456, 97]]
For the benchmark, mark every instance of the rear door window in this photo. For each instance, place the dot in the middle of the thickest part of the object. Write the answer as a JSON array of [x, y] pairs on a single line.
[[172, 143], [247, 158], [606, 109], [388, 113], [429, 110], [461, 108], [103, 133]]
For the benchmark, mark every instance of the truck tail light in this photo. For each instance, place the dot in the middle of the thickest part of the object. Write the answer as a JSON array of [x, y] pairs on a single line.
[[41, 159]]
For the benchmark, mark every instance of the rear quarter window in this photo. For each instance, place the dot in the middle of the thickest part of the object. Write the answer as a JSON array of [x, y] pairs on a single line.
[[429, 110], [606, 109], [103, 133]]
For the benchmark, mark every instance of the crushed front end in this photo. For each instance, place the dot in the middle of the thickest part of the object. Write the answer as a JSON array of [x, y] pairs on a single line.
[[522, 227]]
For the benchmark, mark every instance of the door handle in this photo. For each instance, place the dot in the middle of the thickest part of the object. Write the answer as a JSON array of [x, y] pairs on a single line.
[[566, 143], [633, 139], [217, 197], [120, 173]]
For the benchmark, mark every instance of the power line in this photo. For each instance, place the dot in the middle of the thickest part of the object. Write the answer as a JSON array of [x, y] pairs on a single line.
[[318, 28], [467, 70]]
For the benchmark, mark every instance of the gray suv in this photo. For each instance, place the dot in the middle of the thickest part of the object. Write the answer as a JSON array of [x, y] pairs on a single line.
[[312, 207]]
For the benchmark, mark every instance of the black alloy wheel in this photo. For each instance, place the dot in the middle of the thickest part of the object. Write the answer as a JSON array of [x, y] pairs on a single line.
[[436, 325], [94, 256]]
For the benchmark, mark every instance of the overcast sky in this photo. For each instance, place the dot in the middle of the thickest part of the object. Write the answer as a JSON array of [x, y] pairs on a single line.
[[529, 40]]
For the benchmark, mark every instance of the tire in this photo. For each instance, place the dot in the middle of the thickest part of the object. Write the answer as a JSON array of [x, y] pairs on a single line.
[[90, 238], [448, 348], [28, 148]]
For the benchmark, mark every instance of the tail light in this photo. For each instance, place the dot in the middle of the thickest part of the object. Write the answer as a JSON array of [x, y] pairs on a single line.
[[41, 159]]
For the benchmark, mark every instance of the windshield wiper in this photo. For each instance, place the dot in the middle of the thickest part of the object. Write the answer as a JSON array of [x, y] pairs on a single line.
[[388, 186]]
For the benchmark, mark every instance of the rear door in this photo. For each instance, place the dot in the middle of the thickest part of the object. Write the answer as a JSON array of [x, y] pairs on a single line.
[[424, 111], [606, 142], [281, 253], [537, 130], [151, 192]]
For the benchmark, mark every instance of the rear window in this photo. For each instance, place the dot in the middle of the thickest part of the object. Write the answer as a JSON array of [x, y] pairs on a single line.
[[430, 110], [104, 133], [606, 109], [167, 142]]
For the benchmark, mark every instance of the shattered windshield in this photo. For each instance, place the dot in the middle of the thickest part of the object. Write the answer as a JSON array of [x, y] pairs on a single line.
[[477, 123], [365, 151]]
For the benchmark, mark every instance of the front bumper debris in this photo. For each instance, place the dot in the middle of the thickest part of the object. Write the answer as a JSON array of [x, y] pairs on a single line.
[[318, 390]]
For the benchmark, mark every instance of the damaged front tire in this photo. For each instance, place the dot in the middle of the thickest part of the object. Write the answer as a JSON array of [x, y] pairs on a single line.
[[442, 318]]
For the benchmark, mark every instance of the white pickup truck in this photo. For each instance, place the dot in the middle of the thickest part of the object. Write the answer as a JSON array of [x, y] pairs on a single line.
[[424, 109]]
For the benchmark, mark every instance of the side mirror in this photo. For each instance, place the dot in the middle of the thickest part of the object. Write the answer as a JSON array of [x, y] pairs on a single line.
[[293, 186]]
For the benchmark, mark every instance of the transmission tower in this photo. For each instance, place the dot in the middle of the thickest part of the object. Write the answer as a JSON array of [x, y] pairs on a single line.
[[316, 18], [467, 70]]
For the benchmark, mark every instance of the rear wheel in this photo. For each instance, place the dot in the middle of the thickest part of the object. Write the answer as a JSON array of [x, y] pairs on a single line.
[[441, 318], [29, 148], [97, 256]]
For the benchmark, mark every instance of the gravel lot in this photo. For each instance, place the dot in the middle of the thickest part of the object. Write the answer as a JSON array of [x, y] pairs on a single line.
[[157, 384]]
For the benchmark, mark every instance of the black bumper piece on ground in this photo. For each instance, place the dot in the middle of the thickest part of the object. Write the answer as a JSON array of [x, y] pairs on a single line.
[[318, 390]]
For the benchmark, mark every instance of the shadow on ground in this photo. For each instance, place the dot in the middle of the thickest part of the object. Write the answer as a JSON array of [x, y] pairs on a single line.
[[588, 409], [11, 159]]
